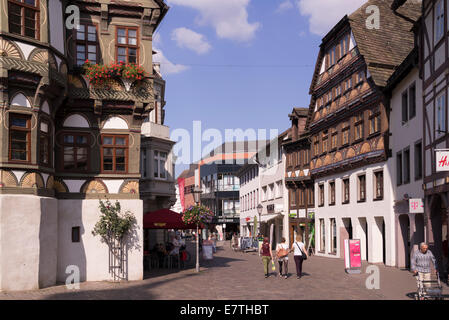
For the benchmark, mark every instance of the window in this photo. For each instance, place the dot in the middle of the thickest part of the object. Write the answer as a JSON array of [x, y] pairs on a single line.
[[76, 151], [374, 121], [292, 197], [316, 146], [44, 143], [311, 197], [321, 195], [418, 160], [345, 190], [333, 236], [322, 236], [412, 101], [439, 21], [337, 91], [360, 77], [301, 197], [279, 189], [441, 114], [20, 137], [306, 157], [404, 107], [331, 57], [332, 193], [379, 185], [345, 133], [114, 153], [86, 44], [24, 18], [76, 234], [344, 45], [127, 45], [264, 194], [347, 84], [334, 138], [324, 149], [406, 166], [362, 188], [358, 127], [399, 168]]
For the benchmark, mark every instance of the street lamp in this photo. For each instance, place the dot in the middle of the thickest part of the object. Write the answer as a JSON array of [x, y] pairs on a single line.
[[196, 196], [259, 211]]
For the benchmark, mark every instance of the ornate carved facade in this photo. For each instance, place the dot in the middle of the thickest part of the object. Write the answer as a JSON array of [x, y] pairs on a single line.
[[64, 140]]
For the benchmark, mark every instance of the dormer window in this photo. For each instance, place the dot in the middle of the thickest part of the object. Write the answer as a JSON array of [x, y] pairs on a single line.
[[344, 45], [24, 18], [127, 45]]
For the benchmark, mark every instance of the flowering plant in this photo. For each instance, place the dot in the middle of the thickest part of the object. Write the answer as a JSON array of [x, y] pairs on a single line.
[[197, 215], [99, 74]]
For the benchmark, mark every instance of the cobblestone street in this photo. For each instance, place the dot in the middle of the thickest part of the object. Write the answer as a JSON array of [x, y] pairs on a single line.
[[235, 275]]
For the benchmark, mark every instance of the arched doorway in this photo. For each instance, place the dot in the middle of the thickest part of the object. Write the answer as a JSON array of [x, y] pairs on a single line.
[[404, 242]]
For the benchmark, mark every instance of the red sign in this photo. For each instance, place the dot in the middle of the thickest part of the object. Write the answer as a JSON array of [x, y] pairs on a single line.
[[181, 185], [442, 161], [355, 256]]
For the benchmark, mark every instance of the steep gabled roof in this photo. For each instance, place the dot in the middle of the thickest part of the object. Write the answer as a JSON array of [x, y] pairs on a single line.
[[384, 49]]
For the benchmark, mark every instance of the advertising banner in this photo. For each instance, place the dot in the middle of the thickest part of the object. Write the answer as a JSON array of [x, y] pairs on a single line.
[[442, 160], [353, 257]]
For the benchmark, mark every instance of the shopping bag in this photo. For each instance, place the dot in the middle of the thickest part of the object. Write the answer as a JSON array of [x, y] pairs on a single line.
[[273, 266]]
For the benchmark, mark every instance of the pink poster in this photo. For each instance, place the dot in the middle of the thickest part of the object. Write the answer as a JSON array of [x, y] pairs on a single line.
[[354, 254]]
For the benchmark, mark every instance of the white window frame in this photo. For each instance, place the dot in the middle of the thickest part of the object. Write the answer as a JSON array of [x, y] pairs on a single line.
[[439, 21], [157, 156]]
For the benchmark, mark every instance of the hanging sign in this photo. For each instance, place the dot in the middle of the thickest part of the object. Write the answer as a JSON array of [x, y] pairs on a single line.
[[416, 206], [353, 257], [442, 160]]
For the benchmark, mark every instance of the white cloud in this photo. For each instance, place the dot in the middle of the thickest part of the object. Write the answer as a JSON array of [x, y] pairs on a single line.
[[167, 67], [324, 14], [229, 18], [186, 38], [284, 6], [157, 40]]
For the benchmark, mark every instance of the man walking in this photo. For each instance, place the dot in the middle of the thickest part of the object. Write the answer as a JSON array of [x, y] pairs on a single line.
[[421, 263]]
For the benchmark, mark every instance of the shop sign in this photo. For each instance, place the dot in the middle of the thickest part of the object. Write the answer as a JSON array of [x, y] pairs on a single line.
[[293, 214], [311, 214], [442, 160], [416, 205]]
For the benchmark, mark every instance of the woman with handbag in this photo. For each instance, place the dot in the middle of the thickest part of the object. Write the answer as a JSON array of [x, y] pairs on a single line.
[[300, 255], [282, 252], [267, 255]]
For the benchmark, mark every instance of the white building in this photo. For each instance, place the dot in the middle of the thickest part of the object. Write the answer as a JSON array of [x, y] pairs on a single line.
[[406, 130]]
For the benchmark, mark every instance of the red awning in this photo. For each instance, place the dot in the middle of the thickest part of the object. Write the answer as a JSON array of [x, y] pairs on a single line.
[[165, 219]]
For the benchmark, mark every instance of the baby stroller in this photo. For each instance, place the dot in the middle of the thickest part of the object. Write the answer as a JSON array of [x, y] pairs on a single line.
[[429, 289]]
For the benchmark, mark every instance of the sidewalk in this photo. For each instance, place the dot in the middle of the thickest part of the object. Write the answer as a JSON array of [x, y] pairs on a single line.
[[239, 276]]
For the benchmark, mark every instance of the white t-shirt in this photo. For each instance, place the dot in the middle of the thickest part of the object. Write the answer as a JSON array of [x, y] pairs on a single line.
[[282, 246], [298, 252]]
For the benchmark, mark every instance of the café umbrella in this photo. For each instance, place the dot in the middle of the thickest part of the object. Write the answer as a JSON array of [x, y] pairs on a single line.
[[165, 219]]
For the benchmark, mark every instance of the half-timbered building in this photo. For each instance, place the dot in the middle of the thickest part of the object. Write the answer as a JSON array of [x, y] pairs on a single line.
[[298, 180], [349, 131], [434, 71], [67, 141]]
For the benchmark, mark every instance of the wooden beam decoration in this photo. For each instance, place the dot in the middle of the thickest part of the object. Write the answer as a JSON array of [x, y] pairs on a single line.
[[146, 24], [155, 14], [98, 104], [104, 18]]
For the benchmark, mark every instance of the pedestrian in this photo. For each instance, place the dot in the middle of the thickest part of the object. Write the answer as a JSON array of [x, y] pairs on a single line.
[[299, 254], [267, 255], [282, 252], [421, 264]]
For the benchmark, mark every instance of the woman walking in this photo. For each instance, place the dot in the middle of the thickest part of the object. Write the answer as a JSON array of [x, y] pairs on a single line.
[[282, 252], [299, 255], [267, 255]]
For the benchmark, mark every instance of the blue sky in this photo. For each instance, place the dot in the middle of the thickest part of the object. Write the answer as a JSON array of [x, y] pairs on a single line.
[[241, 63]]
